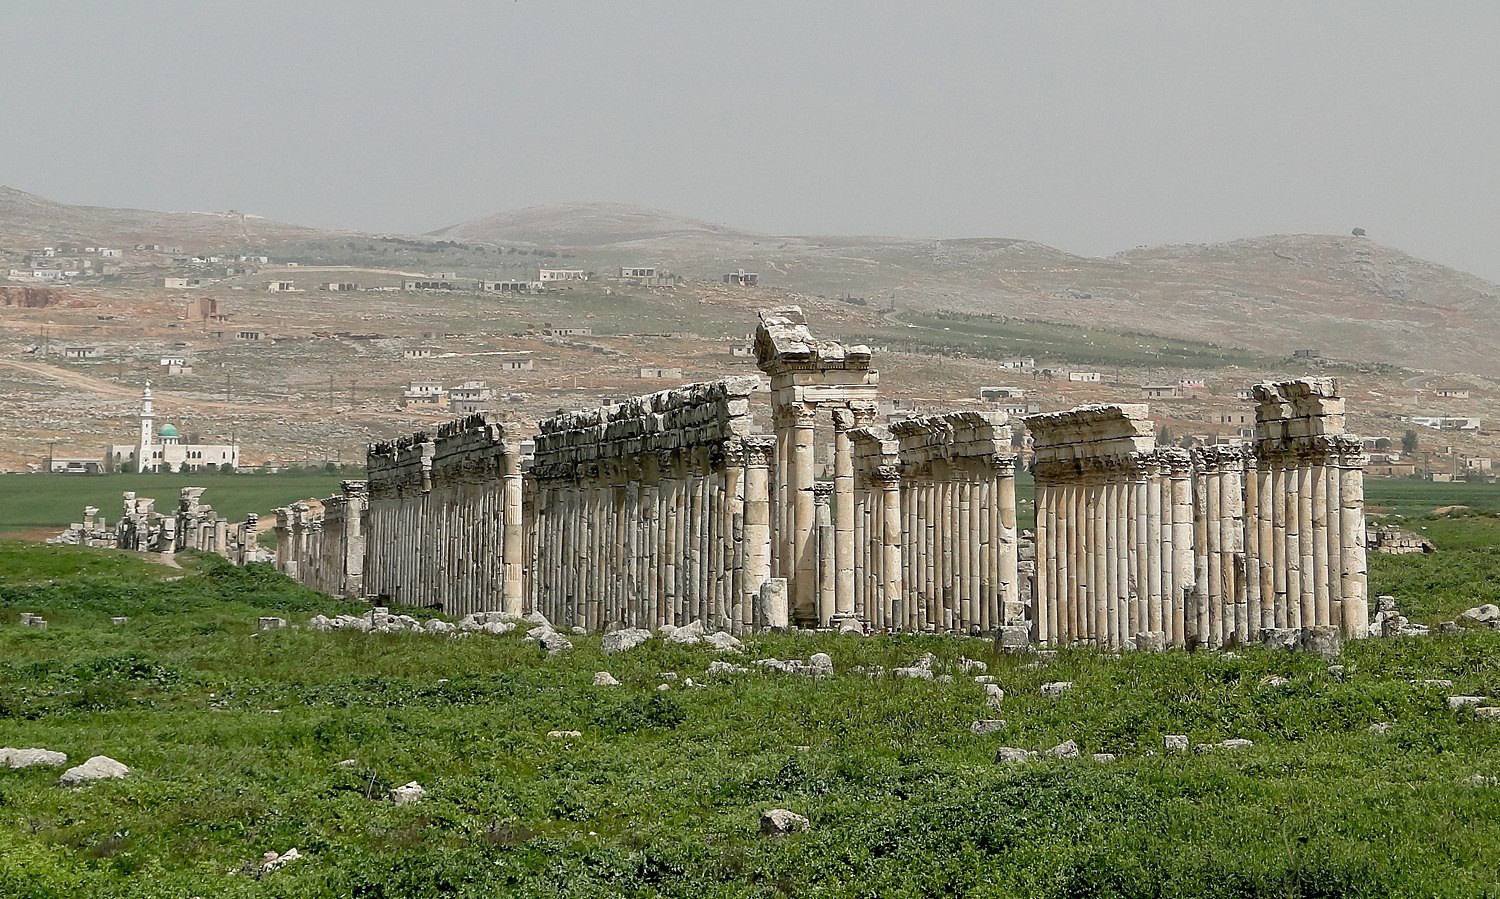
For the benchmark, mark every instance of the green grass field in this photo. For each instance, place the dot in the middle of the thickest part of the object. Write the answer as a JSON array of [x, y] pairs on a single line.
[[235, 740], [29, 502]]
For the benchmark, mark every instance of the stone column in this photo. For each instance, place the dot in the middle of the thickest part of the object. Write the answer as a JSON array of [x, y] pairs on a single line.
[[803, 474], [1318, 513], [822, 502], [757, 514], [1012, 604], [843, 508], [512, 535], [1352, 573], [1184, 598], [888, 477]]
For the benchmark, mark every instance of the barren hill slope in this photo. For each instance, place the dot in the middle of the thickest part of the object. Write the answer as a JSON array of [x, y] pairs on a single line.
[[26, 218], [582, 225]]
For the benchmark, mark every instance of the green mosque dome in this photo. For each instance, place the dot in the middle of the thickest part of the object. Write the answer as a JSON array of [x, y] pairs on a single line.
[[168, 431]]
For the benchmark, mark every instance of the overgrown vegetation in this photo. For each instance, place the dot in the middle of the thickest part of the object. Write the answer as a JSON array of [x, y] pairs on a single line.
[[235, 740]]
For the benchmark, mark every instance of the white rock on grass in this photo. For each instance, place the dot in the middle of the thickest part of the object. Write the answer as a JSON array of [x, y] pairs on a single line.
[[1056, 688], [564, 734], [723, 641], [1455, 703], [993, 695], [1175, 742], [605, 679], [1010, 755], [820, 664], [1105, 758], [100, 767], [1380, 727], [689, 635], [986, 679], [720, 667], [26, 758], [408, 793], [625, 639], [536, 619], [1234, 743], [1488, 712], [1068, 750], [971, 666], [984, 726], [348, 763], [915, 672], [780, 822], [553, 642], [271, 860]]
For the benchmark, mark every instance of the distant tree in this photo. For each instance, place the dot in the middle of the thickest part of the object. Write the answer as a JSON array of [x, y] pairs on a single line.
[[1164, 436], [1359, 232], [1409, 442]]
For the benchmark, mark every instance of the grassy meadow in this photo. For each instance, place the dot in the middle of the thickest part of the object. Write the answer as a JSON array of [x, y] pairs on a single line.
[[236, 738]]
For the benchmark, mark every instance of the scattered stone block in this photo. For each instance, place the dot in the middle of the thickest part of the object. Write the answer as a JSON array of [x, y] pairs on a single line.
[[554, 643], [348, 763], [1175, 742], [1323, 641], [100, 767], [1488, 712], [820, 664], [1487, 615], [1336, 670], [625, 640], [272, 861], [119, 620], [1010, 755], [914, 672], [605, 679], [719, 667], [27, 758], [1013, 639], [1455, 703], [564, 734], [1380, 727], [1151, 641], [1067, 750], [969, 666], [723, 641], [985, 726], [986, 679], [1282, 638], [1056, 688], [993, 695], [1104, 758], [780, 822], [1234, 743], [408, 793], [270, 624]]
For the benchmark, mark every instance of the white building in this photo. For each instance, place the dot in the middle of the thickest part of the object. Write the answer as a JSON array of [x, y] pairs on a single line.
[[163, 449], [548, 275]]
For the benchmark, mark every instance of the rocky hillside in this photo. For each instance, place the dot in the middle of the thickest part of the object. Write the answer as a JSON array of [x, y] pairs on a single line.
[[27, 219]]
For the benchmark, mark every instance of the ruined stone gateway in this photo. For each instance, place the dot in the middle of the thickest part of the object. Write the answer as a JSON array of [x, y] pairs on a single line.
[[670, 508]]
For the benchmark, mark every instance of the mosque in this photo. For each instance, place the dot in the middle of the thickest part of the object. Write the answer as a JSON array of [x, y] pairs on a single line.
[[163, 450]]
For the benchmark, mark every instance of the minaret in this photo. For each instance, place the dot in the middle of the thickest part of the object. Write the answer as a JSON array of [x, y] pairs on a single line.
[[148, 432]]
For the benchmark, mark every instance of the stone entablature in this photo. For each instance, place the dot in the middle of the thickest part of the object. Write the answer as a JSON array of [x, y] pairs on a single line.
[[652, 512]]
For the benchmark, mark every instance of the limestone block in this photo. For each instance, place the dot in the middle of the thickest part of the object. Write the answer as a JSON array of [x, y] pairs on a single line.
[[1010, 755], [985, 679], [554, 643], [1323, 641], [1067, 750], [780, 822], [718, 667], [689, 634], [723, 641], [993, 695], [971, 666], [772, 600], [407, 793], [1286, 638], [1013, 638], [1486, 615], [270, 624], [820, 665], [1175, 742], [984, 726], [1456, 703], [1380, 727], [914, 672], [1056, 689], [1487, 712], [626, 639], [564, 734], [100, 767], [119, 620], [1151, 641], [26, 758], [1104, 758], [605, 679]]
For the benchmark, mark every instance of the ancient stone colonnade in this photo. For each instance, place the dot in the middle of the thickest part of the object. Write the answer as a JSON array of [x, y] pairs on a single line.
[[1141, 547], [671, 508], [191, 526]]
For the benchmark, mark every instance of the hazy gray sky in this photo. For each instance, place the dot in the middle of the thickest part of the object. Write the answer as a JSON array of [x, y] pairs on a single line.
[[1092, 126]]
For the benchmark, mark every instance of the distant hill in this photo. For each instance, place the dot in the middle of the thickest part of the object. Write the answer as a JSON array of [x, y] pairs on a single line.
[[26, 218], [582, 225]]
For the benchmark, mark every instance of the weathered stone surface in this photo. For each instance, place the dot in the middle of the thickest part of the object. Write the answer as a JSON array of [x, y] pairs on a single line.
[[1234, 743], [720, 667], [1464, 702], [914, 672], [119, 620], [723, 641], [1488, 712], [1056, 688], [1066, 750], [1487, 615], [270, 624], [780, 822], [689, 634], [1012, 639], [986, 679], [1323, 641], [971, 666], [993, 695], [1380, 727], [1010, 755], [564, 734], [605, 679], [1104, 758], [1285, 638], [1151, 641], [100, 767], [1336, 670], [820, 664], [408, 793], [626, 639], [26, 758], [985, 726], [1175, 742], [272, 861]]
